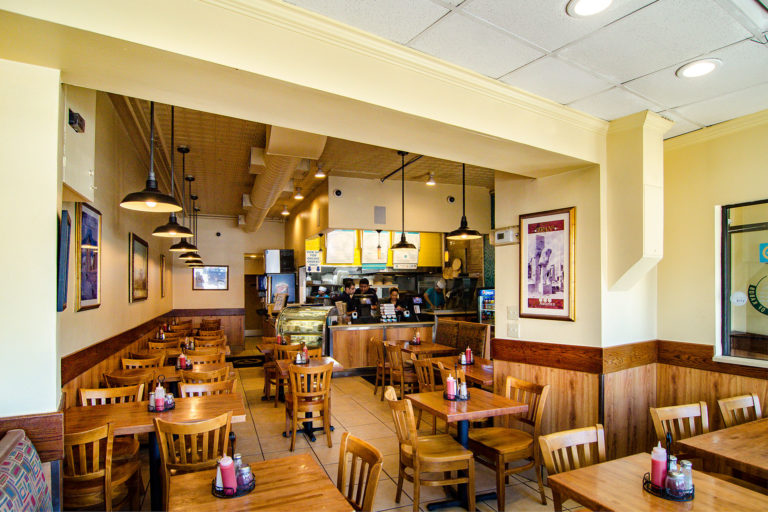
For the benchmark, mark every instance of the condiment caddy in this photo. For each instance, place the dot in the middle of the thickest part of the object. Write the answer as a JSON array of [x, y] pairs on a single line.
[[668, 480], [455, 391], [467, 357], [159, 400], [233, 478]]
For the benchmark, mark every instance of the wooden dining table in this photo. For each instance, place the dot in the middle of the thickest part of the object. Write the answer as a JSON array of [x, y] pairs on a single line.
[[618, 485], [286, 484], [480, 373], [171, 373], [481, 404], [742, 447], [135, 418], [424, 349]]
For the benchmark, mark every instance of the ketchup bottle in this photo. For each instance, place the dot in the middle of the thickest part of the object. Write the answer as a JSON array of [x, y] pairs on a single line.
[[658, 465]]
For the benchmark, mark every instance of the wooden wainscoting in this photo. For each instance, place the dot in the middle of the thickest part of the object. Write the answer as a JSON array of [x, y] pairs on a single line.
[[46, 431], [628, 394], [232, 322]]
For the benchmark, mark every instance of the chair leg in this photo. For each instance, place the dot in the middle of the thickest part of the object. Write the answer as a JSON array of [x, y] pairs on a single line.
[[416, 490], [500, 487], [402, 389], [376, 382], [399, 492], [277, 389], [384, 382], [418, 419], [294, 426], [539, 477], [327, 426], [471, 485], [434, 425]]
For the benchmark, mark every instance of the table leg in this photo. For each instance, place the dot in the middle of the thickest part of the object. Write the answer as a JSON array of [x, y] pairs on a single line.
[[155, 485], [308, 429]]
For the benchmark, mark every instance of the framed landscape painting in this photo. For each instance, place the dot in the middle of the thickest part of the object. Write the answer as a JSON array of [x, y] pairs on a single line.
[[138, 283], [88, 269], [546, 264], [210, 277]]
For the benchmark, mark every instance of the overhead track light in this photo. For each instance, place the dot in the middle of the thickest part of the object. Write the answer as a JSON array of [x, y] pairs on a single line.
[[151, 199], [172, 229], [463, 233]]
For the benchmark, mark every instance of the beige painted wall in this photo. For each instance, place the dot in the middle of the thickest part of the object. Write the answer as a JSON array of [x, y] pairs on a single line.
[[515, 196], [307, 219], [29, 101], [723, 164], [426, 208], [119, 170], [227, 249]]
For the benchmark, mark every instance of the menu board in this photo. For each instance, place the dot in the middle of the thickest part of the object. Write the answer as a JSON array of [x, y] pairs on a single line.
[[371, 252], [340, 246]]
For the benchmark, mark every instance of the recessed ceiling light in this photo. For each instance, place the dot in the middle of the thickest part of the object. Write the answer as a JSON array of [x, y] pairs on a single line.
[[698, 68], [581, 8]]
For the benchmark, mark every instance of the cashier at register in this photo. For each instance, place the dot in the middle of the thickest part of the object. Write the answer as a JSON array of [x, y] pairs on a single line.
[[365, 288], [394, 298], [435, 296], [346, 295]]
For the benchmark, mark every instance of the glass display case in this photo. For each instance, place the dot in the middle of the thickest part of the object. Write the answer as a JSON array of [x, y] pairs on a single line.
[[304, 324]]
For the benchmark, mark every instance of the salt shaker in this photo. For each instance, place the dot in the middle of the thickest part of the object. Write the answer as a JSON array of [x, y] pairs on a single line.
[[463, 390], [686, 468], [675, 483], [672, 465], [238, 458]]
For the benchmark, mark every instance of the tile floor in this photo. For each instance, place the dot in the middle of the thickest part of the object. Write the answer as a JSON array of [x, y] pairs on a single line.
[[357, 410]]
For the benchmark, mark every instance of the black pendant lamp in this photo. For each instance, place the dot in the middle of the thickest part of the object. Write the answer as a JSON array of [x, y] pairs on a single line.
[[402, 244], [151, 199], [193, 256], [463, 233], [172, 229], [184, 246]]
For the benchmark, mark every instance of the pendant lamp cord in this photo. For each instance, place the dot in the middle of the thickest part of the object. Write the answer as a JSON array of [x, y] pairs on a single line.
[[151, 176], [173, 192], [402, 192], [463, 194]]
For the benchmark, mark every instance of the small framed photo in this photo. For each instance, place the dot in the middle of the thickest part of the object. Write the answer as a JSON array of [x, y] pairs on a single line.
[[88, 269], [210, 277], [138, 282], [546, 264]]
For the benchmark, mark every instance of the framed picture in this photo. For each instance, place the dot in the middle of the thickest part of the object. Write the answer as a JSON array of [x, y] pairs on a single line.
[[210, 277], [280, 300], [62, 270], [162, 275], [138, 282], [546, 264], [88, 271]]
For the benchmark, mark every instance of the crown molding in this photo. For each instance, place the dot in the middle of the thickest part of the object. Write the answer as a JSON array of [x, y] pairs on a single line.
[[309, 24], [717, 130]]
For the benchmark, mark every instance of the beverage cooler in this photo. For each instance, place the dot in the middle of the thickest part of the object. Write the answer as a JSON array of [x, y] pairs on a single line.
[[486, 305], [305, 324]]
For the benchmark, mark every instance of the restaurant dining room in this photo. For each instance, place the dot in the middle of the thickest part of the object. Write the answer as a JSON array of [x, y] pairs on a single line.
[[384, 256]]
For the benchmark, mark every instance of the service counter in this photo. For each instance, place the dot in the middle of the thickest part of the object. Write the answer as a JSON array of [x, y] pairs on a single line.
[[462, 315], [350, 344]]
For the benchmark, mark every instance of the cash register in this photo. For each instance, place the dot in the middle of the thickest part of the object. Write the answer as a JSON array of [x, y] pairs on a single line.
[[362, 310]]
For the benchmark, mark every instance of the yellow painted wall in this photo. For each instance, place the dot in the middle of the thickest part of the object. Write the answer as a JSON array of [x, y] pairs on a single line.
[[119, 170], [227, 249], [723, 164], [307, 219]]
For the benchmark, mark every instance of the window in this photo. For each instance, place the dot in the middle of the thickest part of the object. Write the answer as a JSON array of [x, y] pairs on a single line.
[[745, 280]]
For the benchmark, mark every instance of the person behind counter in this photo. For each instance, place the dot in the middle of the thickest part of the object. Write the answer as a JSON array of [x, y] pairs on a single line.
[[365, 288], [434, 296], [394, 298], [346, 295]]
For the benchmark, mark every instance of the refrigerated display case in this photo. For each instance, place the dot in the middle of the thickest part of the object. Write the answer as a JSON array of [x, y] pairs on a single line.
[[304, 324], [486, 305]]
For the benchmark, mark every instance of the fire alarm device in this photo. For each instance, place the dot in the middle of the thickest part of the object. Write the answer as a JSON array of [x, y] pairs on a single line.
[[76, 121]]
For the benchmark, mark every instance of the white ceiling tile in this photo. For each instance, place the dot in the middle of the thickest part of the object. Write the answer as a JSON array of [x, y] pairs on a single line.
[[557, 80], [744, 64], [545, 22], [681, 125], [398, 20], [613, 104], [657, 36], [470, 43], [729, 106]]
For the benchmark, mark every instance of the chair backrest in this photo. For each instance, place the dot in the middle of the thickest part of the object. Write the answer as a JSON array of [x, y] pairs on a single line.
[[395, 356], [447, 332], [535, 395], [315, 353], [682, 421], [740, 409], [88, 458], [193, 446], [458, 373], [378, 351], [170, 335], [101, 396], [210, 324], [573, 449], [475, 336], [405, 422], [286, 351], [155, 354], [161, 345], [310, 383], [150, 362], [207, 388], [210, 342], [217, 333], [199, 377], [181, 326], [117, 381], [364, 469], [425, 373], [204, 351], [207, 358]]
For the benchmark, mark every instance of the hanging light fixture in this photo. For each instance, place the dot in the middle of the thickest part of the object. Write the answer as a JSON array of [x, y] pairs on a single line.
[[378, 246], [285, 211], [298, 194], [431, 180], [402, 244], [173, 229], [463, 233], [319, 174], [184, 245], [193, 255], [151, 199]]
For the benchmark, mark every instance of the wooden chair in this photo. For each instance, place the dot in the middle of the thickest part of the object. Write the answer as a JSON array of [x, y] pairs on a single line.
[[382, 366], [91, 479], [218, 333], [496, 447], [218, 341], [740, 409], [125, 447], [458, 373], [207, 359], [425, 374], [162, 345], [210, 324], [170, 335], [187, 447], [202, 377], [439, 455], [282, 352], [150, 362], [270, 354], [682, 421], [398, 372], [209, 388], [310, 392], [364, 470], [204, 351], [146, 378], [572, 449], [157, 354]]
